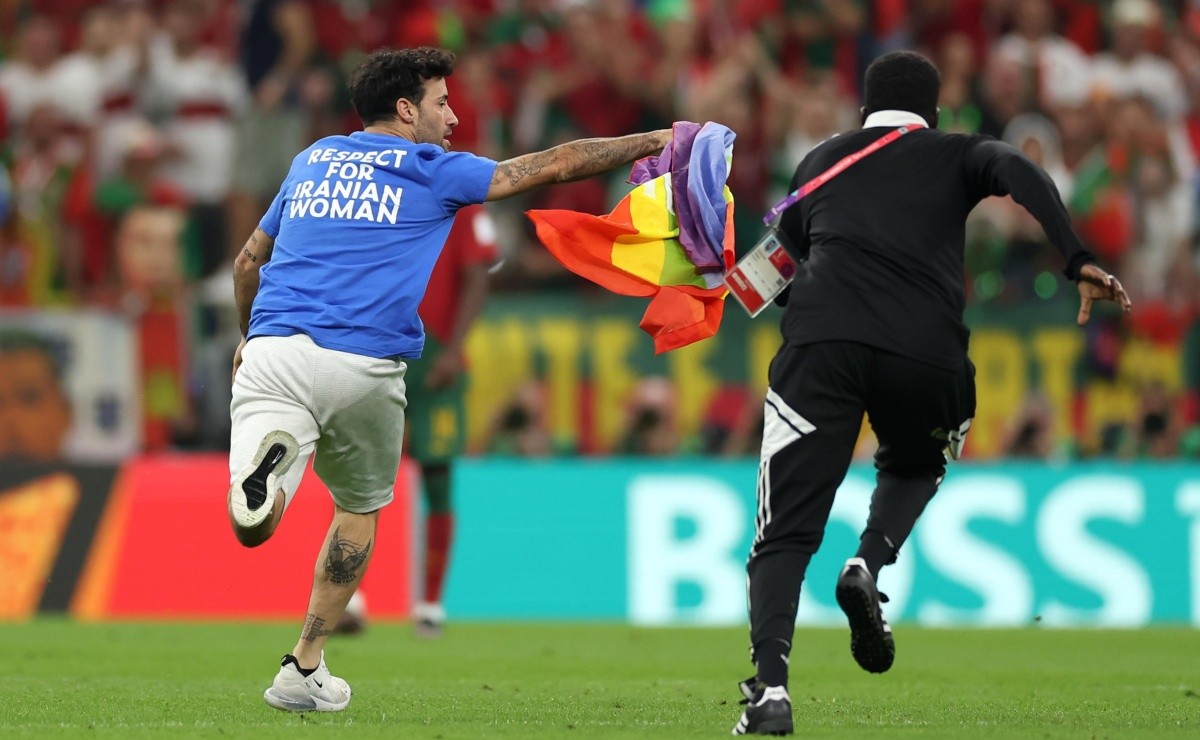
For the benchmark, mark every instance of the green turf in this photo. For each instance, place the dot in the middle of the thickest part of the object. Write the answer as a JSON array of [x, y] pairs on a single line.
[[140, 680]]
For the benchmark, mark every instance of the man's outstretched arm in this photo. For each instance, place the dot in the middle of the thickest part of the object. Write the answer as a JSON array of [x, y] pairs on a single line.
[[572, 161]]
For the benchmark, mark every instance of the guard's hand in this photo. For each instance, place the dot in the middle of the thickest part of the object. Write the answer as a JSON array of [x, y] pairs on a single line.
[[1097, 285], [237, 358]]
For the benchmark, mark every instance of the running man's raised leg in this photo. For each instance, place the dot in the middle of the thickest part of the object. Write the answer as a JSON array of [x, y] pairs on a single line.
[[259, 493], [272, 436]]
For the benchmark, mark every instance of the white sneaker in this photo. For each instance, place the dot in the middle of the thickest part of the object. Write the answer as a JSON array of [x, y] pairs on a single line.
[[292, 691], [428, 620], [252, 494]]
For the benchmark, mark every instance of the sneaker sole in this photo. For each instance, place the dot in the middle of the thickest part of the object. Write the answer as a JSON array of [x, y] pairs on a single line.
[[870, 643], [282, 701], [252, 494]]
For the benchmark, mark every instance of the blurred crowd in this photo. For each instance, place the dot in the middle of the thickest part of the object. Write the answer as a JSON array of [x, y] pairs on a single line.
[[140, 142]]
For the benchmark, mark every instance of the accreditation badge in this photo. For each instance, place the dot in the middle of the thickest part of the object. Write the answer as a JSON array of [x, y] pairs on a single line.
[[762, 273]]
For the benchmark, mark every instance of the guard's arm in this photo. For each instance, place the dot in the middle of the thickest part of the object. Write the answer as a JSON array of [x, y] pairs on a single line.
[[1001, 169], [572, 161]]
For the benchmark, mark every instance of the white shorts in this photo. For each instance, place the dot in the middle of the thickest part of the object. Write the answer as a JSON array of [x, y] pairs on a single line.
[[347, 408]]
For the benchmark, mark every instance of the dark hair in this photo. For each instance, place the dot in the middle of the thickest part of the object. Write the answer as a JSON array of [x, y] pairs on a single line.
[[390, 74], [902, 80]]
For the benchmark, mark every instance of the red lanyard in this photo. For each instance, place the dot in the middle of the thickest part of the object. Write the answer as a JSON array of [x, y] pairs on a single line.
[[808, 187]]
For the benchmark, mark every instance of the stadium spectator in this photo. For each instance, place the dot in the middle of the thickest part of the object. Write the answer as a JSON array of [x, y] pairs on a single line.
[[1162, 428], [1057, 67], [1031, 433], [1132, 68], [198, 94], [958, 110], [520, 426], [101, 80], [1157, 430], [729, 418], [1005, 93], [809, 113], [277, 45], [650, 424], [32, 78], [47, 167], [1038, 139]]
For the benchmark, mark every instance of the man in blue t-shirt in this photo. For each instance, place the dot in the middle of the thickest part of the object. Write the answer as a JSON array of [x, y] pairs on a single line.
[[327, 289]]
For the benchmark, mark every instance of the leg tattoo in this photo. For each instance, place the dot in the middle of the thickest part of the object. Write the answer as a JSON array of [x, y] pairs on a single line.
[[344, 558], [313, 628]]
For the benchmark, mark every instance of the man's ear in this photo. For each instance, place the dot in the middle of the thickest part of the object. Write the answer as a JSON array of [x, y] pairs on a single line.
[[862, 115], [406, 110]]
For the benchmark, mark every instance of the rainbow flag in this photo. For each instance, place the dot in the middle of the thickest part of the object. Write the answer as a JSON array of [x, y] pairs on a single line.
[[670, 239]]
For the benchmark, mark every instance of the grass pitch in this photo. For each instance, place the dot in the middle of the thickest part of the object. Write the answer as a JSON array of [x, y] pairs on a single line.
[[482, 680]]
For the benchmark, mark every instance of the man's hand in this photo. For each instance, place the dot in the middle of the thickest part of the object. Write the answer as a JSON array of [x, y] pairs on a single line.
[[1097, 285], [446, 368], [237, 358]]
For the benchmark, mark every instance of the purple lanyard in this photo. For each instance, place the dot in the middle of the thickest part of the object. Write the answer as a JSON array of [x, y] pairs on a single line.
[[808, 187]]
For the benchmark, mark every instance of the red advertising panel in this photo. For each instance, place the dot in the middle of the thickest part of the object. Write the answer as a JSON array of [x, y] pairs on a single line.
[[165, 549]]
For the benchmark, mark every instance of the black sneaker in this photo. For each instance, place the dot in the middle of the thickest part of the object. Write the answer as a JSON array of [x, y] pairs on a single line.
[[768, 710], [870, 635]]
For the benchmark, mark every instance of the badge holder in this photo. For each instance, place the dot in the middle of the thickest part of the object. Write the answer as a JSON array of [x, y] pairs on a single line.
[[762, 273]]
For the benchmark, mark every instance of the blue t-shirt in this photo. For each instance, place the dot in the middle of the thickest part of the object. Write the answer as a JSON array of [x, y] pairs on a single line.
[[358, 225]]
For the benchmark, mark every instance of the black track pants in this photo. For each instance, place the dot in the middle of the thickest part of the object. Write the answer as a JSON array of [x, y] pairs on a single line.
[[814, 408]]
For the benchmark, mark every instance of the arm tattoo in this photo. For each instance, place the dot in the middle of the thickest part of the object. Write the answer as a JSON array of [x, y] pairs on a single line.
[[574, 160], [266, 255], [313, 628], [588, 157], [521, 168], [344, 558]]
